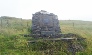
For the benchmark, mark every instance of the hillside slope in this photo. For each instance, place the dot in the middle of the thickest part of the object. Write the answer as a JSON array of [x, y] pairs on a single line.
[[11, 27]]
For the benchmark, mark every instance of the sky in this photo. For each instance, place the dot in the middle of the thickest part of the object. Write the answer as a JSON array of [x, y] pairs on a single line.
[[64, 9]]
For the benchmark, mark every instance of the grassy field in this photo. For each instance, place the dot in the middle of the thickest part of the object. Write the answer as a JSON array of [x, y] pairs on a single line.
[[12, 43], [83, 28]]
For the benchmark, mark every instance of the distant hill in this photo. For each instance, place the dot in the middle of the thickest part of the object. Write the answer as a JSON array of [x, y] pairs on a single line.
[[7, 17], [11, 24]]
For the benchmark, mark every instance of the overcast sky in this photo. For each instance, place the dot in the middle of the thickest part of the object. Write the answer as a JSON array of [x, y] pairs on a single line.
[[65, 9]]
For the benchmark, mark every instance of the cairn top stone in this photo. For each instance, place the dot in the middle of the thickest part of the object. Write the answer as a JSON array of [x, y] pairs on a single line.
[[44, 12]]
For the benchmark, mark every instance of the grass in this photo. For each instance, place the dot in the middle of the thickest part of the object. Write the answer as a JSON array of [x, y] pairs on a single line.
[[11, 43]]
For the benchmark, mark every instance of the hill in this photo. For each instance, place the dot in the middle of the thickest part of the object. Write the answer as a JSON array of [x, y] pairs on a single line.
[[12, 43], [13, 25]]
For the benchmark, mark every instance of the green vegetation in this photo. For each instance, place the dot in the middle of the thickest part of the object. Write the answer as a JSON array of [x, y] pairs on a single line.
[[13, 43]]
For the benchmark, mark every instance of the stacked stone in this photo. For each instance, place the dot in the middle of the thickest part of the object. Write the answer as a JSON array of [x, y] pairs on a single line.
[[35, 24], [44, 22], [56, 25]]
